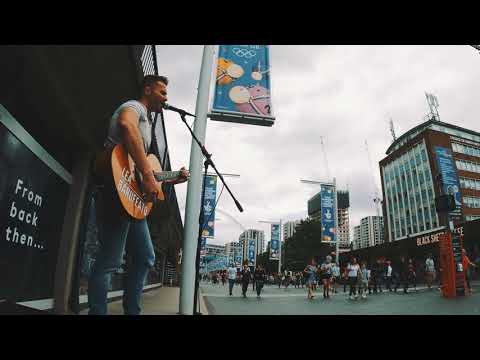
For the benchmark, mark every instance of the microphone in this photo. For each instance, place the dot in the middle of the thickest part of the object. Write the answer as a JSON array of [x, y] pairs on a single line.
[[173, 108]]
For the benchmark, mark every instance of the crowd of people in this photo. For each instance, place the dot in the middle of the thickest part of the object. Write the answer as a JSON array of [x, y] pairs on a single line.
[[362, 278]]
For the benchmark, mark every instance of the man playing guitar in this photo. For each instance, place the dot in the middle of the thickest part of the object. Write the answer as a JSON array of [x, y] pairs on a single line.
[[130, 126]]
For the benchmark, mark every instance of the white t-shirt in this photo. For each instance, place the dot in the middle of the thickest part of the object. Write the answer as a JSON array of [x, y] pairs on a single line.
[[353, 270], [144, 125], [232, 273], [430, 265], [389, 270]]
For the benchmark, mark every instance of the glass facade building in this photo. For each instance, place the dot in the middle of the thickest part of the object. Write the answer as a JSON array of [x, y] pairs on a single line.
[[410, 199], [411, 178]]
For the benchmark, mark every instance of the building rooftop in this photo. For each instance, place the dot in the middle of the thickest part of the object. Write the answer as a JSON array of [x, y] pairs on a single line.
[[430, 124]]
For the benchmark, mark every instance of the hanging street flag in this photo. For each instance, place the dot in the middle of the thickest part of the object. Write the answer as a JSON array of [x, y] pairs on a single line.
[[203, 247], [242, 86], [327, 196], [251, 252], [275, 242], [209, 206]]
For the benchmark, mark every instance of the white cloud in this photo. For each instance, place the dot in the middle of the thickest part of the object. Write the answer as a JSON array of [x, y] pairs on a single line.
[[347, 94]]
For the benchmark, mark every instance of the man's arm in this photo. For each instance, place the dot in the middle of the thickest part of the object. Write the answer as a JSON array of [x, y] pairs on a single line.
[[128, 121]]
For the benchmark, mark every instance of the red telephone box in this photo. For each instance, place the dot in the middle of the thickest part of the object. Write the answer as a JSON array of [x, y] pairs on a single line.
[[452, 272]]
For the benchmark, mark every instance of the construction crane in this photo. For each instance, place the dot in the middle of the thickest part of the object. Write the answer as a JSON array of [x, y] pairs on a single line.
[[376, 198], [325, 157], [392, 130]]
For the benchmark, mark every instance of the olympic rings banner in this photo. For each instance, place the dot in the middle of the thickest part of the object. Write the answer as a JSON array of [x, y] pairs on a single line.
[[242, 85]]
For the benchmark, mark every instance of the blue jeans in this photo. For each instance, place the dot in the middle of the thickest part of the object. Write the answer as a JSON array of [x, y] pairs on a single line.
[[114, 232]]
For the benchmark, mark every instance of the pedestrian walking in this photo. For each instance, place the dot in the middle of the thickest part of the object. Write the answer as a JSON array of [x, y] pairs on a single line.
[[232, 276], [259, 278], [352, 269], [388, 275], [412, 274], [335, 277], [344, 276], [363, 278], [224, 277], [326, 275], [378, 275], [310, 274], [245, 276], [466, 263], [429, 271], [402, 275]]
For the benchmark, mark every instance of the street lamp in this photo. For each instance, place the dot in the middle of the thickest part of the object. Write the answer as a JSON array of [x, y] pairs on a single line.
[[279, 240], [335, 215]]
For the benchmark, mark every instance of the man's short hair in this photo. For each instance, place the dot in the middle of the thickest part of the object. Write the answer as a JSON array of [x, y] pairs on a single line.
[[150, 80]]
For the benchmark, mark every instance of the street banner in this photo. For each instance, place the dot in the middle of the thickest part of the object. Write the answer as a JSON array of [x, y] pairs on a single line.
[[327, 196], [209, 206], [242, 85], [251, 252], [237, 257], [275, 242], [203, 246], [450, 182]]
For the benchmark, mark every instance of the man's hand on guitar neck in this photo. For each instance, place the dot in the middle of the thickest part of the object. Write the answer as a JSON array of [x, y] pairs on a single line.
[[184, 176]]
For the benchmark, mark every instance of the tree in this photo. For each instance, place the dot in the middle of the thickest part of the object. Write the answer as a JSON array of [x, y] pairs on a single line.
[[304, 245]]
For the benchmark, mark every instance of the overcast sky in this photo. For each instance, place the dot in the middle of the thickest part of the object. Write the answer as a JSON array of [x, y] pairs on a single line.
[[347, 94]]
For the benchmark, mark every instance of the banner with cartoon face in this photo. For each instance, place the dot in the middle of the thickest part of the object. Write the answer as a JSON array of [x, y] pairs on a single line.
[[242, 85], [209, 206], [327, 196]]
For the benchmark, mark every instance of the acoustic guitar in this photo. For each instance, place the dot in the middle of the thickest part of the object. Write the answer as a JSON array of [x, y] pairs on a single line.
[[116, 168]]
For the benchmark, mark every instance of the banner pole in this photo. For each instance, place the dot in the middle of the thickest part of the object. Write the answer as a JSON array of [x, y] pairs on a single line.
[[192, 207], [337, 240]]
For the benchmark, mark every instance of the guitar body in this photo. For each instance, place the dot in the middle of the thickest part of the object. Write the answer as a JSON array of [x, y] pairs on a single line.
[[116, 168]]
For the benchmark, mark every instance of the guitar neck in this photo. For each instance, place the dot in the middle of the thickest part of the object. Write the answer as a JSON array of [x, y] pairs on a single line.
[[166, 175]]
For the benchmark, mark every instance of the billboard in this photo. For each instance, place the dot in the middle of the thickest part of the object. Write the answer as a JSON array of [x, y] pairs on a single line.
[[450, 182], [242, 85], [251, 252], [209, 206], [327, 195], [275, 242], [33, 198]]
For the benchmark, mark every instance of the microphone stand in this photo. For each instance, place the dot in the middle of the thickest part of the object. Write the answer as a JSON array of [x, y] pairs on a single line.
[[208, 162]]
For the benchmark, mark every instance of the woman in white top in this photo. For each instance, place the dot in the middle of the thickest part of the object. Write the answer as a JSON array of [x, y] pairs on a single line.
[[352, 269], [389, 275]]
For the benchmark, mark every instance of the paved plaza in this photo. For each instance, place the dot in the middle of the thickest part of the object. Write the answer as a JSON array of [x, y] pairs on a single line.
[[291, 301]]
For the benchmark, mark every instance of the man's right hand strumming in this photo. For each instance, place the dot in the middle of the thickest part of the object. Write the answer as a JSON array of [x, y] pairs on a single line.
[[150, 187]]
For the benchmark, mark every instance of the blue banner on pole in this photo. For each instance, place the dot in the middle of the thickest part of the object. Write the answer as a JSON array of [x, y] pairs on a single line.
[[450, 182], [242, 87], [209, 206], [251, 252], [327, 196], [275, 242], [203, 247]]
